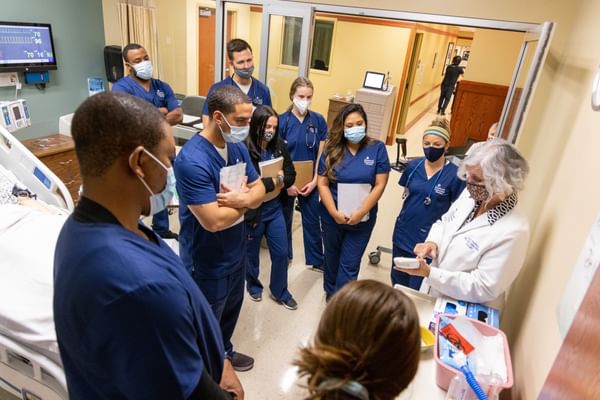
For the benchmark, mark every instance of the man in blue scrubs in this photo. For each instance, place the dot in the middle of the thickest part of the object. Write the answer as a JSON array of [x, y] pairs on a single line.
[[241, 59], [212, 236], [130, 321], [140, 83]]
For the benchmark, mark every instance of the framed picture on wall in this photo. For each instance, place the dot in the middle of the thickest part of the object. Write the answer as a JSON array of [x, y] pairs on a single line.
[[449, 52]]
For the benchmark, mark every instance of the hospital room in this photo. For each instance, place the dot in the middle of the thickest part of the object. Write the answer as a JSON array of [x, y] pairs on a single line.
[[273, 199]]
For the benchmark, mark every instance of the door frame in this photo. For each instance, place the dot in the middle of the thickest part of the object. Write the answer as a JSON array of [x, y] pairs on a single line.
[[544, 30]]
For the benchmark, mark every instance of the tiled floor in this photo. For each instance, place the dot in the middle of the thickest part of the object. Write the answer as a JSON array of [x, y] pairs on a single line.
[[272, 334]]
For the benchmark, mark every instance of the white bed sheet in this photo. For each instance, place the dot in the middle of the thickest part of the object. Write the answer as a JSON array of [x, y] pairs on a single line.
[[27, 240]]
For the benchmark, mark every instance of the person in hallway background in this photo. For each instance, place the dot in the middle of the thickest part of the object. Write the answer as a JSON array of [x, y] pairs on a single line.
[[241, 60], [360, 163], [453, 72], [264, 144], [367, 345], [431, 185], [140, 83], [479, 245], [130, 321], [305, 133], [212, 236]]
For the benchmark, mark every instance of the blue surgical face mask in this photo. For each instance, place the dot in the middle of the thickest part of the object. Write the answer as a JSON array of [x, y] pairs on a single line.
[[160, 201], [143, 70], [244, 73], [433, 153], [237, 134], [355, 134]]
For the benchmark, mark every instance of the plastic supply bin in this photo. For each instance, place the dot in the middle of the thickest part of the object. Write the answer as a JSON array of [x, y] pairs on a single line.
[[445, 373]]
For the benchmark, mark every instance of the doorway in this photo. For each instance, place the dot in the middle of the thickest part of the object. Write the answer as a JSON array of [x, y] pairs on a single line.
[[410, 82], [206, 47]]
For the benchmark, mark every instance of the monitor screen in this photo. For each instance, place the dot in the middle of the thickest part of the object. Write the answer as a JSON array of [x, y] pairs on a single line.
[[374, 80], [26, 47]]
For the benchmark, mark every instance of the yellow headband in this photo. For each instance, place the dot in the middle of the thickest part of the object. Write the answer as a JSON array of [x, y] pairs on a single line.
[[437, 131]]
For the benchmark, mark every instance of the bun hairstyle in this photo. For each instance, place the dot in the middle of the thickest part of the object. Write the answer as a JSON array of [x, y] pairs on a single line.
[[367, 344]]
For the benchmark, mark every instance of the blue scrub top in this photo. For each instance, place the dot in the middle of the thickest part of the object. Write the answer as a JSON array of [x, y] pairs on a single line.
[[259, 92], [415, 219], [370, 160], [130, 321], [160, 93], [303, 138], [212, 255]]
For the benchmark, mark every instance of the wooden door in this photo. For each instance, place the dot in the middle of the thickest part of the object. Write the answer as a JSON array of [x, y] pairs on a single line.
[[574, 374], [206, 47]]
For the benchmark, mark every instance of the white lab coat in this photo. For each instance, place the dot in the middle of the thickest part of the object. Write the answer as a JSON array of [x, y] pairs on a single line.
[[478, 262]]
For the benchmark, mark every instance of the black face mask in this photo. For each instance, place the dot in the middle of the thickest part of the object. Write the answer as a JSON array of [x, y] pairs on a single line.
[[433, 153]]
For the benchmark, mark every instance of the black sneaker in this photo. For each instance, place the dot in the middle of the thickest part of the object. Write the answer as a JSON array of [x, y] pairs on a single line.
[[291, 304], [169, 235], [318, 268], [255, 296], [241, 362]]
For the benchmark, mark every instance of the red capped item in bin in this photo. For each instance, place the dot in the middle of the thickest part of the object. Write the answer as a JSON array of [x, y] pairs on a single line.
[[454, 337]]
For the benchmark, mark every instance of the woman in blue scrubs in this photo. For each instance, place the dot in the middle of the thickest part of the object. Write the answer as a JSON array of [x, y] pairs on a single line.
[[430, 186], [264, 144], [350, 157], [305, 133]]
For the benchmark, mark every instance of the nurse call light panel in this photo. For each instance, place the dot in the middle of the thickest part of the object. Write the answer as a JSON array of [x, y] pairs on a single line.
[[26, 46]]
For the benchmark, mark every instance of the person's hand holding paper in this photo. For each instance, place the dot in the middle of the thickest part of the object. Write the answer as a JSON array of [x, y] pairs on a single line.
[[350, 199]]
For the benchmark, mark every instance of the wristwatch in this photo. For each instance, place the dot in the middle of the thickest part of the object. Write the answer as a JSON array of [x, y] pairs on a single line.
[[278, 179]]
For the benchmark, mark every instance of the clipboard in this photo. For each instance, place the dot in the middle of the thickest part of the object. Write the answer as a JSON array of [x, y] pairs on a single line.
[[304, 172], [269, 169]]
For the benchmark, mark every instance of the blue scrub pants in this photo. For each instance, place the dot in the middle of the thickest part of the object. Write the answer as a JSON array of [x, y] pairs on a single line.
[[225, 296], [311, 227], [274, 230], [160, 222], [345, 246], [402, 278]]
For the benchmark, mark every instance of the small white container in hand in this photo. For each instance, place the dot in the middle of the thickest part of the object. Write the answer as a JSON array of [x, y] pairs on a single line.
[[406, 262]]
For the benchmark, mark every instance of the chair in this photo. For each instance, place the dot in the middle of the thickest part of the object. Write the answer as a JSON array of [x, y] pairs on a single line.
[[193, 105]]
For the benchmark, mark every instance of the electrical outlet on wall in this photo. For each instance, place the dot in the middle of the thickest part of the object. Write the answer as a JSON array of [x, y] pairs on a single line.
[[9, 79]]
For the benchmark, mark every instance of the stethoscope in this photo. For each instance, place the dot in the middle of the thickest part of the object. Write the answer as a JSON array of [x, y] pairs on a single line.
[[427, 200], [257, 101], [311, 128]]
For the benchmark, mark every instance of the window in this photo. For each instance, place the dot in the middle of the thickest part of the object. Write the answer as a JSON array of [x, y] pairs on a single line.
[[322, 42]]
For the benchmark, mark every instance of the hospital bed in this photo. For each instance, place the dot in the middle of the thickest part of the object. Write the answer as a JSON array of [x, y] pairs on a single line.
[[30, 366]]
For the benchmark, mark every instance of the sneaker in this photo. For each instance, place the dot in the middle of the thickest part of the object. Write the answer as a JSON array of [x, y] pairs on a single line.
[[241, 362], [169, 235], [255, 296], [291, 304], [318, 268]]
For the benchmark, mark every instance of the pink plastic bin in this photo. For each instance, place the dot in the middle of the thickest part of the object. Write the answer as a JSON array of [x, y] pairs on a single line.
[[445, 373]]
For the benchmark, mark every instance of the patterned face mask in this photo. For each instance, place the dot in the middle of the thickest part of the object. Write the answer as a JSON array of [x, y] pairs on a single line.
[[478, 192]]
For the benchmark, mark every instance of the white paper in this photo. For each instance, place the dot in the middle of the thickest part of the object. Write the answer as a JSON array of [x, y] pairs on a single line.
[[190, 118], [232, 176], [351, 196]]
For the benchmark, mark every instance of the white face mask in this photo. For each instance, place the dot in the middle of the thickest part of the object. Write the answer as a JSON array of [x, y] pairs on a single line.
[[160, 201], [236, 134], [143, 70], [301, 105]]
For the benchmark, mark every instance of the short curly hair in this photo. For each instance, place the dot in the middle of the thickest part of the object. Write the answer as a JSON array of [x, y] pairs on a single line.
[[107, 126], [504, 168]]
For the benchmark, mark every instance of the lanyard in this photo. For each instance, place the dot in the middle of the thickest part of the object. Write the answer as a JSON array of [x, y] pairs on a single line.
[[427, 200]]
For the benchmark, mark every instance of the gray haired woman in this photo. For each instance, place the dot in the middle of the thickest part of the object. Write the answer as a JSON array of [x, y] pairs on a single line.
[[479, 245]]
